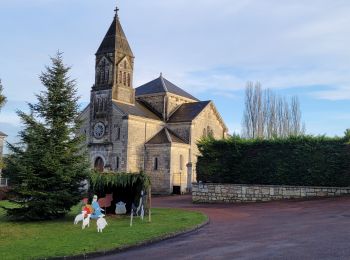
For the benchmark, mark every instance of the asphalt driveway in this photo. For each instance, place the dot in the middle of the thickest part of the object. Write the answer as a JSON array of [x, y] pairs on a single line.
[[317, 229]]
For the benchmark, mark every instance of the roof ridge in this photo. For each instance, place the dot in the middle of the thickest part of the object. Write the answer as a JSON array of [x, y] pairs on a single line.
[[163, 83], [174, 111], [176, 135], [168, 134], [187, 112], [146, 105], [135, 110]]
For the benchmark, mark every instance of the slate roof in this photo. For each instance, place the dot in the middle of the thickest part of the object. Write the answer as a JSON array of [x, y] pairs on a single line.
[[149, 107], [136, 110], [166, 136], [187, 112], [115, 39], [162, 85], [3, 134]]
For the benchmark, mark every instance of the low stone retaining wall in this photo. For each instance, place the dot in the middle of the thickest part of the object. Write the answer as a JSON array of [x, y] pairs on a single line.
[[215, 193]]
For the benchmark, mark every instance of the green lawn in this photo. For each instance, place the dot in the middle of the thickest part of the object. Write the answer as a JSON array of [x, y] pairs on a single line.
[[62, 238]]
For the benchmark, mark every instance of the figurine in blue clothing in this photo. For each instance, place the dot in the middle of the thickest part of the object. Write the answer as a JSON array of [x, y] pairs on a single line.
[[96, 207]]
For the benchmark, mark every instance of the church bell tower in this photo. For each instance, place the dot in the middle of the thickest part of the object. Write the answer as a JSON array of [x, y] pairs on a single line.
[[115, 64], [114, 69]]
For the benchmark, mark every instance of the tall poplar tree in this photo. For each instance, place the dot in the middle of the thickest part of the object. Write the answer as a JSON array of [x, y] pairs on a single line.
[[47, 169], [267, 115]]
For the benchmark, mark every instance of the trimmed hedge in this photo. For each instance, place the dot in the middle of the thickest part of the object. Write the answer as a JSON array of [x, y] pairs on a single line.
[[100, 181], [296, 161]]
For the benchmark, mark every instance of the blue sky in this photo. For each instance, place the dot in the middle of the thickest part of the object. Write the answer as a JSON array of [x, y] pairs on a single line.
[[209, 48]]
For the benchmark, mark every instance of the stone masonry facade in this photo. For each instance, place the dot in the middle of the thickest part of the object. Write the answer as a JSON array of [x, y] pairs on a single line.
[[230, 193], [153, 128]]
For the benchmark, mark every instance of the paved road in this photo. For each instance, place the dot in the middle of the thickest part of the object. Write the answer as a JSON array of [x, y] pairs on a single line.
[[318, 229]]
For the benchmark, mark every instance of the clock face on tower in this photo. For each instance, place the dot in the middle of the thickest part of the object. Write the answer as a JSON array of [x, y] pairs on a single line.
[[99, 130]]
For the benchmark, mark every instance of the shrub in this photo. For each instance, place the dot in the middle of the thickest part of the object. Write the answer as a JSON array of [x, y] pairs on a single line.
[[297, 161]]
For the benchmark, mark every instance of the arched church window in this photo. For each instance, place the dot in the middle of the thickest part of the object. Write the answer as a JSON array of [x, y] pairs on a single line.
[[99, 164], [98, 103], [102, 76], [124, 78], [204, 132], [120, 77], [125, 65], [104, 104], [118, 163], [129, 80], [107, 74], [101, 72], [98, 78], [209, 131], [118, 134], [155, 165]]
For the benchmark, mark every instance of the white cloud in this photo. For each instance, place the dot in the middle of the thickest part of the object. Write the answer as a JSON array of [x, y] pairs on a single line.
[[283, 45], [203, 46], [338, 93]]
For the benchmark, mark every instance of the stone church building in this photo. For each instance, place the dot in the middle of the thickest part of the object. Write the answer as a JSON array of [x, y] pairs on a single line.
[[153, 128]]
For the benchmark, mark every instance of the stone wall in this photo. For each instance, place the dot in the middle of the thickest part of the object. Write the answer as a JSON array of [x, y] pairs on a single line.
[[218, 193], [160, 177], [140, 131], [119, 139], [169, 172], [84, 130], [178, 166]]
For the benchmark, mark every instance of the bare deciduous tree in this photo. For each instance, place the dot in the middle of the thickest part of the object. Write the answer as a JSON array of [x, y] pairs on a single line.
[[267, 115]]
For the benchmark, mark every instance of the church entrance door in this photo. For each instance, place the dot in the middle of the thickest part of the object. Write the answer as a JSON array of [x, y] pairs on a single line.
[[99, 164]]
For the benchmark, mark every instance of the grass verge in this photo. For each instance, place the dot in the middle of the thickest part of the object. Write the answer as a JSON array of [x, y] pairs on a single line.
[[20, 240]]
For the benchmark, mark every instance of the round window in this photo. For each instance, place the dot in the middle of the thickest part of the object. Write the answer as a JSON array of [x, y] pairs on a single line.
[[99, 130]]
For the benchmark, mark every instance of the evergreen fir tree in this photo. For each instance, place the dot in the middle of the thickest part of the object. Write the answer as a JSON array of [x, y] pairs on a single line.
[[47, 168], [2, 97]]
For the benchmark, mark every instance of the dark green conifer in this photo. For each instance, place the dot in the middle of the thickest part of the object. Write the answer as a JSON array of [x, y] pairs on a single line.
[[47, 168]]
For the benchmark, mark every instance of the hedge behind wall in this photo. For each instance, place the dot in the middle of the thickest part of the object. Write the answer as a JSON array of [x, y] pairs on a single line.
[[296, 161]]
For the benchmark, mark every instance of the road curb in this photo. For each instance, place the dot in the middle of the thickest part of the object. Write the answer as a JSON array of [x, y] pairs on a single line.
[[138, 245]]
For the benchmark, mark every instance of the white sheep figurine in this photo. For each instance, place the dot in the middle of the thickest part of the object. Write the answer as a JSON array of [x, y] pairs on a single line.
[[101, 223], [86, 221], [79, 217]]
